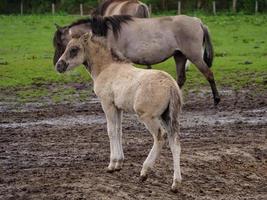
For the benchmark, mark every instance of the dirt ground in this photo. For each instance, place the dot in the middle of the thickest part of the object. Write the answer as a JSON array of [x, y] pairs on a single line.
[[61, 152]]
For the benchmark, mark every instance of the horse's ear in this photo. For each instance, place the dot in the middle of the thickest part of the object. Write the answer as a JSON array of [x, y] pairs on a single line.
[[87, 36], [57, 26]]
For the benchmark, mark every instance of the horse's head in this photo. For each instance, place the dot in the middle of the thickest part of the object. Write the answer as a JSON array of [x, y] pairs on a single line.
[[60, 40], [64, 34], [74, 54]]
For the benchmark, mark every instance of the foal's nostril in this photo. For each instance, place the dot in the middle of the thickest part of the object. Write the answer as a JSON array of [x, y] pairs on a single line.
[[61, 66]]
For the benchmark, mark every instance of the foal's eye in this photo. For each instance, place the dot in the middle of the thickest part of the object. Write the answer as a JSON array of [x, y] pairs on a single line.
[[74, 52]]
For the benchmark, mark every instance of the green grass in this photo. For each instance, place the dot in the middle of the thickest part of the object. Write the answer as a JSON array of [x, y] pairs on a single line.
[[26, 54]]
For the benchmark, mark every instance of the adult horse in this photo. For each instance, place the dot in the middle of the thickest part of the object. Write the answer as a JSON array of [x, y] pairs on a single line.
[[134, 8], [150, 41]]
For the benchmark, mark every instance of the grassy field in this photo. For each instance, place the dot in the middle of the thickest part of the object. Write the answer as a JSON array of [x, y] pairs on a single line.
[[26, 53]]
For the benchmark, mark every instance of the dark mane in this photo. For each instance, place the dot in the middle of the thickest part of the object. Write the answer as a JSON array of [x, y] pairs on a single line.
[[100, 10], [57, 38], [100, 25], [80, 21]]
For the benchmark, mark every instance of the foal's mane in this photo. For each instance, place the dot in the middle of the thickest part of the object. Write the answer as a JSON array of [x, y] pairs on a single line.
[[116, 55], [100, 25], [100, 10]]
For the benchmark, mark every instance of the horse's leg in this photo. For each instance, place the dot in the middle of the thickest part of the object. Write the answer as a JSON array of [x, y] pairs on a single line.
[[159, 134], [148, 67], [180, 61], [175, 146], [205, 70], [119, 163], [113, 116]]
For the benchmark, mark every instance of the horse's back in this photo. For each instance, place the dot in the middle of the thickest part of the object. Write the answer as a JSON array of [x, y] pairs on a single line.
[[133, 8], [153, 40]]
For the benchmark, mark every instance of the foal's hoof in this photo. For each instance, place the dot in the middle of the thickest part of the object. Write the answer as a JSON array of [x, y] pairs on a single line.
[[175, 187], [117, 169], [110, 170], [143, 178], [217, 100]]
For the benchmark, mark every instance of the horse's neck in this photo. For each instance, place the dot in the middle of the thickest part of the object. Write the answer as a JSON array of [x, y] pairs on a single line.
[[98, 60]]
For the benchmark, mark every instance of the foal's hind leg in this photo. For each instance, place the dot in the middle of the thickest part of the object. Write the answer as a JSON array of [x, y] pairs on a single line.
[[180, 61], [159, 134], [175, 146]]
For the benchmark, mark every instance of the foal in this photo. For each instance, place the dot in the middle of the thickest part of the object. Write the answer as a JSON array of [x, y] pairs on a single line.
[[151, 94]]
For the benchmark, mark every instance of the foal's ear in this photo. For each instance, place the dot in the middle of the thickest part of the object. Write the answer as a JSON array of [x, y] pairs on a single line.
[[87, 36]]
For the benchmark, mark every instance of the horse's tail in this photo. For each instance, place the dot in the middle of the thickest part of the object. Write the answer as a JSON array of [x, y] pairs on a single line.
[[172, 113], [208, 51], [142, 11]]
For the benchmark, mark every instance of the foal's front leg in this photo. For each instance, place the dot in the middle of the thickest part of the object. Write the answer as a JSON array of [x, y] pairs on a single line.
[[113, 116]]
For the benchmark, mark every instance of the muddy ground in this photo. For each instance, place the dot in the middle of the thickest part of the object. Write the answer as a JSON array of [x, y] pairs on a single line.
[[61, 152]]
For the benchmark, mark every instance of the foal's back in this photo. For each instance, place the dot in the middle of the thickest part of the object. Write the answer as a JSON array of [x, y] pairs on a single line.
[[135, 90]]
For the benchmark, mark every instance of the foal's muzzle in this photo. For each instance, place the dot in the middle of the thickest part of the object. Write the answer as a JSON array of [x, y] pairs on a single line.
[[61, 66]]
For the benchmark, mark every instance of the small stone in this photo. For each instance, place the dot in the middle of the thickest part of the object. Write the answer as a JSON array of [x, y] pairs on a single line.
[[217, 123], [248, 62], [253, 177]]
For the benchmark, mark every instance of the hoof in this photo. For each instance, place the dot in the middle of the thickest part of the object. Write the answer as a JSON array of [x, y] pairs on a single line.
[[174, 189], [175, 186], [110, 170], [117, 169], [217, 100], [143, 178]]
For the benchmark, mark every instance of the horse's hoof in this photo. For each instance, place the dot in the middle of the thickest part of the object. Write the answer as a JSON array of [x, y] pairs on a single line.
[[143, 178], [217, 100]]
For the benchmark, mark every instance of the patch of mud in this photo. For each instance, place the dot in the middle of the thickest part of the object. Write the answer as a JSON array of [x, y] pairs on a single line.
[[61, 152], [61, 122]]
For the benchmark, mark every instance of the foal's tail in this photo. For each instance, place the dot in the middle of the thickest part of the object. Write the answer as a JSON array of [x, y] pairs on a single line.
[[208, 53], [142, 11], [172, 113]]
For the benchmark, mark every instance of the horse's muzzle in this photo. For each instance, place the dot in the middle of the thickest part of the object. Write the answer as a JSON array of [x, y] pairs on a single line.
[[61, 66]]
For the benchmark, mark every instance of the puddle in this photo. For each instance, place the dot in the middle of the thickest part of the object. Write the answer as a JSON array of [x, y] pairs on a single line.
[[252, 117], [188, 120]]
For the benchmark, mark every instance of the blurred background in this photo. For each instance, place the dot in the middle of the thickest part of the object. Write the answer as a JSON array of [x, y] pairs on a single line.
[[238, 30], [73, 6]]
